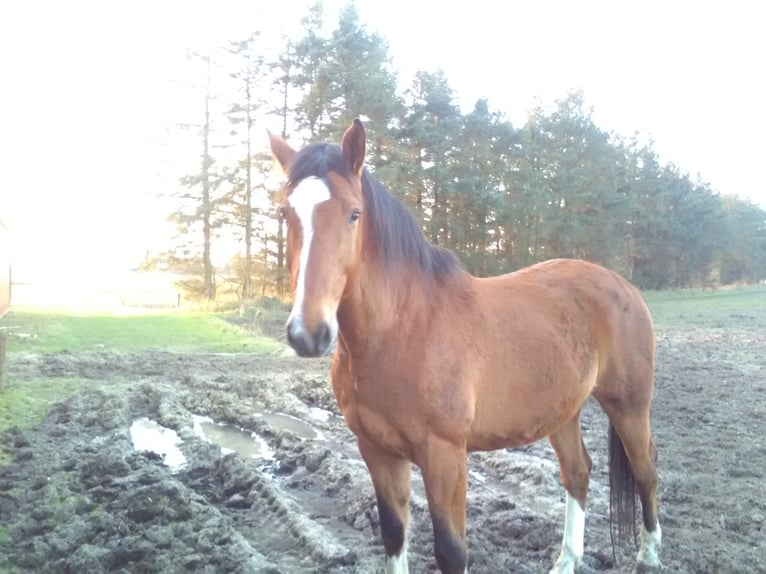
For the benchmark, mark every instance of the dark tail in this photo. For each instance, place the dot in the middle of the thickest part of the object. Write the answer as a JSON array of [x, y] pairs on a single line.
[[622, 493]]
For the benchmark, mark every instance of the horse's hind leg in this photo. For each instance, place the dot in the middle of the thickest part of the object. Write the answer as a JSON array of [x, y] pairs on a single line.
[[575, 465], [633, 445], [391, 480]]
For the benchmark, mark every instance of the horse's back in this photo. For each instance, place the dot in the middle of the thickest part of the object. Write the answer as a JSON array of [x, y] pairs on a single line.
[[602, 306], [565, 290]]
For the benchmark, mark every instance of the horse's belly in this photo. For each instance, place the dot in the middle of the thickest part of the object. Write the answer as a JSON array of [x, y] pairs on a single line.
[[511, 436], [516, 410]]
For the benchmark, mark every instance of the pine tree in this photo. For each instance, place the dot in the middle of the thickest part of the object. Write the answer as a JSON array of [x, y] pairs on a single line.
[[250, 170], [197, 211]]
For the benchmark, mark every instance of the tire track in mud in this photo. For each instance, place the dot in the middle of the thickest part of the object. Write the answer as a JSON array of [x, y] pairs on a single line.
[[266, 515]]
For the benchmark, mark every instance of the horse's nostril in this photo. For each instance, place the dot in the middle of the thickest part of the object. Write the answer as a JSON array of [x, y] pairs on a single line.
[[291, 337], [299, 339], [308, 344], [323, 337]]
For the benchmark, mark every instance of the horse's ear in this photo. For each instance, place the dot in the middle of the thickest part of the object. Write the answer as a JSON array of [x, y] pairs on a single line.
[[353, 146], [281, 150]]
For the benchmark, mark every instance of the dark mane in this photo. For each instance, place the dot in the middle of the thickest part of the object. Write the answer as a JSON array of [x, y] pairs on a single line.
[[399, 237]]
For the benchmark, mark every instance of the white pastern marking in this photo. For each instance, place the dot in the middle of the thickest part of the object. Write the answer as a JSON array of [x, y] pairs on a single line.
[[398, 564], [648, 554], [305, 197], [572, 546]]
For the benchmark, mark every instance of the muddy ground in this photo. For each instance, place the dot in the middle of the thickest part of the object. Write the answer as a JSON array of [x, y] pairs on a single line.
[[77, 496]]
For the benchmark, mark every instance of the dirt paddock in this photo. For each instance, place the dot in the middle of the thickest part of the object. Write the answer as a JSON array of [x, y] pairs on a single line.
[[290, 494]]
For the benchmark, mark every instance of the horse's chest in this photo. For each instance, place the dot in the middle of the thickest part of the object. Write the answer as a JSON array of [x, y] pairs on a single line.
[[374, 411]]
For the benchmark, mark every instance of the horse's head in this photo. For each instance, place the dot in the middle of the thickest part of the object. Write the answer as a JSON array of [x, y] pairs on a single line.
[[323, 208]]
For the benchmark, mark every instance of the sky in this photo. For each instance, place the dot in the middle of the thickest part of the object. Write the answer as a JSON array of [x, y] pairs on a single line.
[[90, 90]]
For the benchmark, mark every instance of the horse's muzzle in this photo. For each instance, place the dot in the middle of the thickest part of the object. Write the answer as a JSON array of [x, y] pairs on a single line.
[[308, 344]]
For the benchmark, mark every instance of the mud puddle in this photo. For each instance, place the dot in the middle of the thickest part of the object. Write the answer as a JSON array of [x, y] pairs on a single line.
[[300, 428], [231, 439], [149, 436]]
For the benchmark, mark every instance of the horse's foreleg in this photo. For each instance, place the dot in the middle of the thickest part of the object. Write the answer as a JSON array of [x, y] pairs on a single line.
[[391, 480], [444, 473], [575, 465]]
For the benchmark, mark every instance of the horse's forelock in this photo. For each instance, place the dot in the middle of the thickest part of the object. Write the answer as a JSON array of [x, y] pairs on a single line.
[[317, 160]]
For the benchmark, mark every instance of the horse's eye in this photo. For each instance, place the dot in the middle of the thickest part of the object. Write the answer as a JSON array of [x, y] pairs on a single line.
[[354, 217]]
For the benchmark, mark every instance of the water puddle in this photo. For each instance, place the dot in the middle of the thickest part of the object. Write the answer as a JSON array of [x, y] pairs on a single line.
[[232, 439], [323, 415], [148, 435], [281, 421]]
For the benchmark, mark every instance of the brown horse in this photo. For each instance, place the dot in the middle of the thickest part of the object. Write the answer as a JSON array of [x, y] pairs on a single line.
[[432, 363]]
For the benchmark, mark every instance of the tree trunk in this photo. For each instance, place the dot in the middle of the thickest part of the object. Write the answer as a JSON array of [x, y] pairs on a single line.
[[247, 279], [207, 207]]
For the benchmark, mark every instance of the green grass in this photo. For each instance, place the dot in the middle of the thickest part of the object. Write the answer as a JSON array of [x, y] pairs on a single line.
[[24, 403], [743, 308], [46, 332]]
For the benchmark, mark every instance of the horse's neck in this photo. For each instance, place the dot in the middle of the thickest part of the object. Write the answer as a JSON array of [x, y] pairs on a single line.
[[375, 304]]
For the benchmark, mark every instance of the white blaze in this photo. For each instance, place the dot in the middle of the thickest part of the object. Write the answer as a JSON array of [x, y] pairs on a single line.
[[305, 197]]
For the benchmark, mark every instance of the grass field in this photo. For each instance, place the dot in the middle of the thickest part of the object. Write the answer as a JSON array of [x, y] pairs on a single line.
[[745, 307], [45, 332]]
